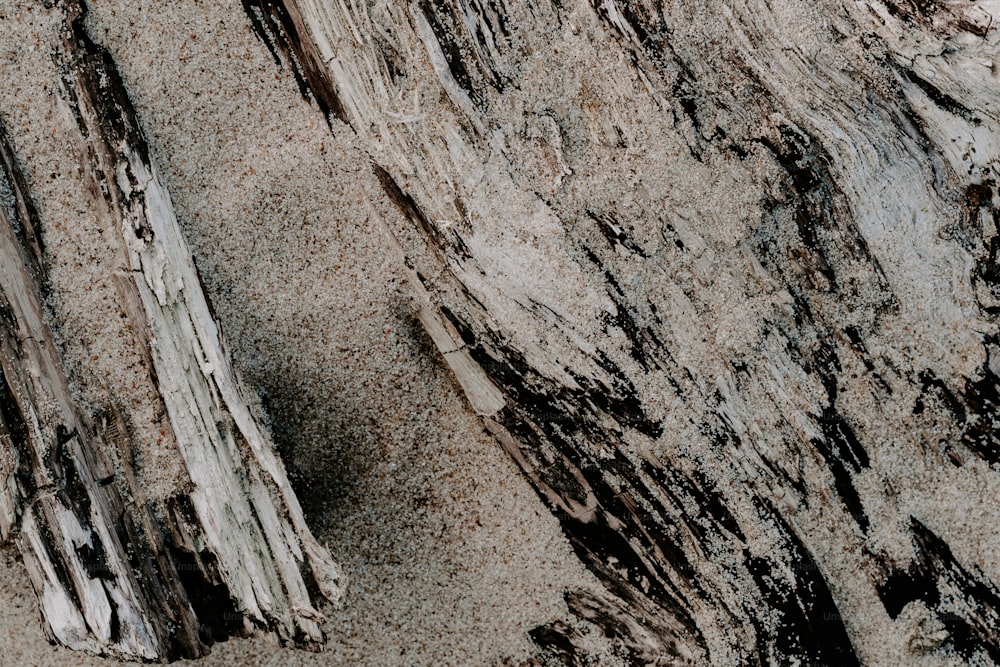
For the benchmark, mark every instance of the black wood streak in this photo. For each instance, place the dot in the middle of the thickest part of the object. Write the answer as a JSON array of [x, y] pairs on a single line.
[[854, 336], [981, 399], [966, 603], [467, 48], [392, 60], [979, 201], [103, 112], [24, 217], [560, 641], [839, 447], [408, 207], [811, 626], [652, 45], [543, 419], [14, 434], [645, 639], [645, 346], [711, 506], [276, 27], [929, 381], [442, 23], [157, 576], [620, 401], [843, 481], [923, 9], [613, 231], [9, 323], [974, 407], [538, 395], [493, 12], [943, 100], [55, 556], [646, 21], [841, 436], [218, 617], [91, 68], [828, 236], [934, 17]]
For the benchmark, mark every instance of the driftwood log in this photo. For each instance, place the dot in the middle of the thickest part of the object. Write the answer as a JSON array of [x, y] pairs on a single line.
[[722, 278], [118, 573]]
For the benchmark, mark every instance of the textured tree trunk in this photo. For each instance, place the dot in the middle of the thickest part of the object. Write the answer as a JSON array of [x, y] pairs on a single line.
[[722, 279], [118, 573]]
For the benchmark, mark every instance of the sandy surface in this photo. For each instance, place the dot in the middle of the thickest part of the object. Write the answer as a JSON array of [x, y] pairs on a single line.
[[451, 557]]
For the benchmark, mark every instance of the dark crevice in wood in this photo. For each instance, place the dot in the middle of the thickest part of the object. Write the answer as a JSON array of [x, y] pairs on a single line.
[[965, 604], [279, 27], [943, 100]]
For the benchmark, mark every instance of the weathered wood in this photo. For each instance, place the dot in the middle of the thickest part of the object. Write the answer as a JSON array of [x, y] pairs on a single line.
[[118, 573], [721, 278], [88, 556]]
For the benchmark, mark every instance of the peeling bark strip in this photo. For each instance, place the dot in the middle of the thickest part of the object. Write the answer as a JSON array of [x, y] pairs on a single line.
[[731, 288], [231, 555]]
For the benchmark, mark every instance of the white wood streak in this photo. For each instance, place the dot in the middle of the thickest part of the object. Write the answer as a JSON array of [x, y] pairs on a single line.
[[259, 548]]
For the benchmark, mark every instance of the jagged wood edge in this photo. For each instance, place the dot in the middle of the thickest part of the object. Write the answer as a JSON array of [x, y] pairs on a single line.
[[266, 555]]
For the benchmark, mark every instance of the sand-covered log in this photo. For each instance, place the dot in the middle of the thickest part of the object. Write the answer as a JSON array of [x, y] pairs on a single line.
[[117, 572], [102, 581], [722, 279]]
